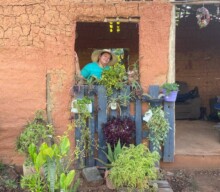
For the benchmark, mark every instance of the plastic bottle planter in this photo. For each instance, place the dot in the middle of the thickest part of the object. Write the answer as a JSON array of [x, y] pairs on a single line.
[[75, 110], [113, 105], [171, 97]]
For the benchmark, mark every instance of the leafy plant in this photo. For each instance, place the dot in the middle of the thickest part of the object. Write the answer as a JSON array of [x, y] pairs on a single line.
[[119, 129], [114, 78], [134, 167], [112, 154], [168, 87], [84, 144], [56, 173], [36, 131], [82, 105], [158, 126], [124, 99]]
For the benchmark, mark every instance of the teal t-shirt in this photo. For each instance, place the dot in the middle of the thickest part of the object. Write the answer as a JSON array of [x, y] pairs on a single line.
[[93, 69]]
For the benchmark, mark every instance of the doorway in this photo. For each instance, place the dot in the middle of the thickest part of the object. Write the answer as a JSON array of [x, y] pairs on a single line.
[[197, 65]]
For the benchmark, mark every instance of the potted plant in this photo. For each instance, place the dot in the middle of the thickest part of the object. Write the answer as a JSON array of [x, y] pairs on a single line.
[[170, 91], [158, 126], [134, 168], [122, 129], [36, 131], [114, 78], [124, 99], [81, 105], [113, 104]]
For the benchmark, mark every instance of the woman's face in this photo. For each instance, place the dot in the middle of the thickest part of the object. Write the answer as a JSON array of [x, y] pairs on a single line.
[[104, 59]]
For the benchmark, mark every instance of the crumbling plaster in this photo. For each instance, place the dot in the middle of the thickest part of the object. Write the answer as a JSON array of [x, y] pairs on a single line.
[[37, 39]]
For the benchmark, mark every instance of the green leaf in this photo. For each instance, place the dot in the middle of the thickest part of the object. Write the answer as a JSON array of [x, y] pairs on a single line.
[[64, 145], [62, 180], [69, 178]]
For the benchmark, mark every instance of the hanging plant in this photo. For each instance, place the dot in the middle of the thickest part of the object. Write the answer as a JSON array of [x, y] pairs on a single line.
[[203, 17], [122, 129]]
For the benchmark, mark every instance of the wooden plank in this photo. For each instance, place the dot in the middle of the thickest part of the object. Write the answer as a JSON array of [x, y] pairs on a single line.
[[168, 156], [138, 121], [154, 91], [102, 118], [125, 111], [90, 161], [79, 95]]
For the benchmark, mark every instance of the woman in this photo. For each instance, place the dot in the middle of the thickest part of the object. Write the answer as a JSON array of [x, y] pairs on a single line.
[[101, 60]]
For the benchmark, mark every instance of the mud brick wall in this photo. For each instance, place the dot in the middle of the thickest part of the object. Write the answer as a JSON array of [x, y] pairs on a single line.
[[37, 42], [198, 59]]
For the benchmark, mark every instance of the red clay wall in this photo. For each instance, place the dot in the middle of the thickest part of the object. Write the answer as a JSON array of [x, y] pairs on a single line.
[[37, 40]]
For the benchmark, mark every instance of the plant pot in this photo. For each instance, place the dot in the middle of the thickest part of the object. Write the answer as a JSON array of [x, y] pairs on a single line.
[[171, 97], [113, 105], [75, 110]]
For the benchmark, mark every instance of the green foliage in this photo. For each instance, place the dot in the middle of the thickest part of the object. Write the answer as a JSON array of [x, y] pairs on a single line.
[[84, 100], [53, 160], [134, 167], [84, 144], [121, 100], [33, 183], [114, 78], [112, 154], [36, 131], [159, 127], [66, 181], [170, 87]]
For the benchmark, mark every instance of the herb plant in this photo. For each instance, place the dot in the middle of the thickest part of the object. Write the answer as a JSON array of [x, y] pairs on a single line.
[[158, 126], [134, 167], [168, 87], [114, 78], [84, 144], [119, 129], [36, 131]]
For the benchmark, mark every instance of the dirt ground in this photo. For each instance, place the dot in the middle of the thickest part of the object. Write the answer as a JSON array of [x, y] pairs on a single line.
[[206, 180], [180, 180]]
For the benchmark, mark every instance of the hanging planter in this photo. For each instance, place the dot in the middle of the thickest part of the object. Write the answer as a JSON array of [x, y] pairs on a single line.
[[170, 91], [170, 97], [81, 105], [203, 17]]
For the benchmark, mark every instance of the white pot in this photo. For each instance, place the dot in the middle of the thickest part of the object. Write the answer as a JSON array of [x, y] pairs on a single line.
[[75, 110], [113, 105]]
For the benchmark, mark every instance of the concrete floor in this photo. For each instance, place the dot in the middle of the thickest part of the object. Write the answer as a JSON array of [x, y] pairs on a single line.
[[196, 137], [197, 146]]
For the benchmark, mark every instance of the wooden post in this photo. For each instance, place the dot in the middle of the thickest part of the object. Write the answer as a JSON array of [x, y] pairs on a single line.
[[102, 118], [168, 156]]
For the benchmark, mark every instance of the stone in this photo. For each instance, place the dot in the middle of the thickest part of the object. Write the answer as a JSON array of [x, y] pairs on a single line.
[[92, 176]]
